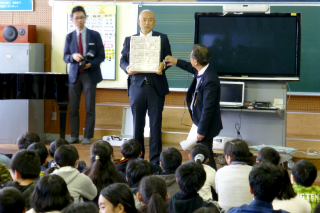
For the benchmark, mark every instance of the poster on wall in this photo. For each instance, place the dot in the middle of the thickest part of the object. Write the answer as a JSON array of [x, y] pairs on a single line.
[[103, 20], [16, 5]]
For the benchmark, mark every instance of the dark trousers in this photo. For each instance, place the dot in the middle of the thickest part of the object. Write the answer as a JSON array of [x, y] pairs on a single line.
[[142, 99], [208, 143], [84, 83]]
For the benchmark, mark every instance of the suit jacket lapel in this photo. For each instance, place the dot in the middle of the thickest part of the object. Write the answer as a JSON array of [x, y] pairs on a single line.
[[74, 39], [87, 40]]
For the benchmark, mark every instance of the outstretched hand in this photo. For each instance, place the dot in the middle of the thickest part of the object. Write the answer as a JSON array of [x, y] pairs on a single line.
[[170, 60]]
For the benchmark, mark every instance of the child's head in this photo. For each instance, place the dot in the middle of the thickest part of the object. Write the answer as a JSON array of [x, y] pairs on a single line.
[[136, 170], [170, 160], [191, 177], [153, 194], [131, 149], [265, 181], [304, 173], [287, 191], [268, 154], [25, 164], [26, 139], [66, 155], [84, 207], [41, 150], [102, 171], [11, 200], [56, 144], [50, 194], [206, 210], [119, 197], [200, 153], [237, 150]]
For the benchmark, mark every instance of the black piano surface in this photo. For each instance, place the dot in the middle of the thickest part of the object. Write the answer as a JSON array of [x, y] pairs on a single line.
[[37, 85]]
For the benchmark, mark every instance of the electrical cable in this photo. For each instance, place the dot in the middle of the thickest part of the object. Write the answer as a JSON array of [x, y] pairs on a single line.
[[237, 126]]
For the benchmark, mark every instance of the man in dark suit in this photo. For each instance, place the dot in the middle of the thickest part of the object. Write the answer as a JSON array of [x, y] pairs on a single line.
[[147, 90], [79, 43], [203, 96]]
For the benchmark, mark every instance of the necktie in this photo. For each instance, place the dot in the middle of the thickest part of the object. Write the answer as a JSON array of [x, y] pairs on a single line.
[[80, 50]]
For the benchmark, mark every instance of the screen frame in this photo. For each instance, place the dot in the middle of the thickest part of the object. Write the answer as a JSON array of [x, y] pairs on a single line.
[[234, 103], [256, 76]]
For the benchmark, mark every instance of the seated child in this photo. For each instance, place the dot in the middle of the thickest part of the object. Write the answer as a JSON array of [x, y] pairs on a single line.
[[135, 171], [170, 160], [303, 175], [4, 174], [191, 177], [42, 152], [200, 153], [232, 184], [27, 139], [131, 149], [25, 165], [265, 184], [86, 207], [11, 201], [79, 185], [268, 154], [117, 196], [153, 195], [287, 199]]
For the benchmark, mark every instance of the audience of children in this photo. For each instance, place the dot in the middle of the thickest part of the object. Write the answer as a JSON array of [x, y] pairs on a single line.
[[27, 139], [200, 153], [50, 195], [11, 201], [191, 177], [265, 184], [287, 199], [79, 185], [232, 183], [41, 150], [25, 166], [102, 171], [131, 149], [303, 175], [117, 198], [153, 195], [176, 188], [170, 160]]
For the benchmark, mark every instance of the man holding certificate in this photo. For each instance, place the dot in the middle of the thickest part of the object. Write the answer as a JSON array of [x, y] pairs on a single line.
[[147, 89], [203, 97]]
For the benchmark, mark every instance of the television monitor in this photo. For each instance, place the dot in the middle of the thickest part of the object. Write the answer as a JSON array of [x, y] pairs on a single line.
[[252, 46], [232, 94]]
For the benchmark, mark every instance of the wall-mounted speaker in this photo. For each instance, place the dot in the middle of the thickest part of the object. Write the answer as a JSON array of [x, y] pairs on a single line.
[[18, 33]]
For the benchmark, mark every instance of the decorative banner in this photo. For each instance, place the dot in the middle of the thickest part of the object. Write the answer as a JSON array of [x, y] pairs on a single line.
[[16, 5], [103, 20]]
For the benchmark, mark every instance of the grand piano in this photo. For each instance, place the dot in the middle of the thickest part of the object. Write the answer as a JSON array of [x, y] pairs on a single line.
[[36, 86]]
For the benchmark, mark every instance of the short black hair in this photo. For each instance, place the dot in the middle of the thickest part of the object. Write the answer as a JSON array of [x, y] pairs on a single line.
[[120, 193], [136, 170], [41, 150], [191, 177], [84, 207], [27, 139], [27, 163], [56, 144], [201, 53], [200, 149], [304, 173], [11, 200], [265, 179], [51, 193], [131, 149], [170, 159], [269, 154], [77, 9], [206, 210], [66, 155], [238, 150]]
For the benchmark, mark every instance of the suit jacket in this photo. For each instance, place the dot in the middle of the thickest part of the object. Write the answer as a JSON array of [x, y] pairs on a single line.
[[206, 110], [94, 43], [158, 81]]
